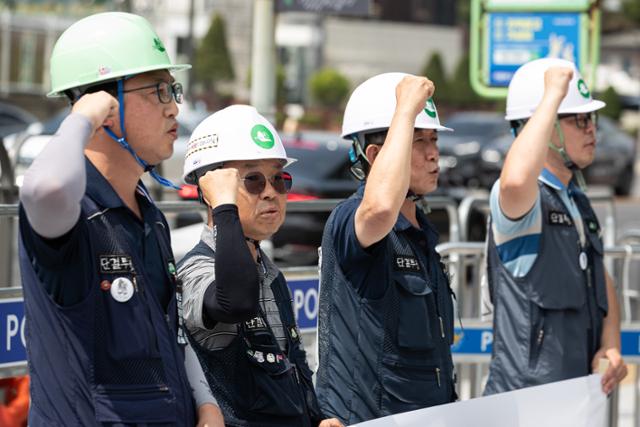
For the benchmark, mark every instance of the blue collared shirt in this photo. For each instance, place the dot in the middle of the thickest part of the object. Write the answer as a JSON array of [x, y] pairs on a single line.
[[64, 264], [518, 241], [368, 268]]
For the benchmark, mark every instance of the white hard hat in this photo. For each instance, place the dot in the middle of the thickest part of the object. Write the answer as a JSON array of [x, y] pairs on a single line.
[[372, 104], [237, 132], [527, 87]]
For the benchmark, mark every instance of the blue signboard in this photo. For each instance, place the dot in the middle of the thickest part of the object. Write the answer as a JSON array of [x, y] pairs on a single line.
[[630, 340], [472, 341], [516, 38], [305, 302], [12, 344]]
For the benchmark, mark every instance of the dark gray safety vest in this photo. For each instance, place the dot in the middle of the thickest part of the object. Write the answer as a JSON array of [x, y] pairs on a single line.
[[548, 324], [104, 362], [256, 383], [389, 355]]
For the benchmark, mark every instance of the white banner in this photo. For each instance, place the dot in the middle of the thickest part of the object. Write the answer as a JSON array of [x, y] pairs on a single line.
[[579, 402]]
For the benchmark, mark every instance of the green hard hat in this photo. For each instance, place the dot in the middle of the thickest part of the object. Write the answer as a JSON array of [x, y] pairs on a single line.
[[104, 47]]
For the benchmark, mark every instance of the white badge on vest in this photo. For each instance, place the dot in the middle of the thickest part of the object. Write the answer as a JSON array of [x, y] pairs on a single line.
[[122, 289], [583, 260]]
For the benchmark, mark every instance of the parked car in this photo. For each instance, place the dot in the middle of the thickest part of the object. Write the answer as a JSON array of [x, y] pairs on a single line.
[[612, 166], [13, 119], [460, 150]]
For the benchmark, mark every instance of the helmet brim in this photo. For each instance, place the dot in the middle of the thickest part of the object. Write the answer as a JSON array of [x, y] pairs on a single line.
[[586, 108], [593, 105], [438, 128], [416, 126]]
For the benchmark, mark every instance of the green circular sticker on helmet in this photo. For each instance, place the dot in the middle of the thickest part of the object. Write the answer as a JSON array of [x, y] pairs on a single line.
[[262, 136], [583, 89], [430, 108]]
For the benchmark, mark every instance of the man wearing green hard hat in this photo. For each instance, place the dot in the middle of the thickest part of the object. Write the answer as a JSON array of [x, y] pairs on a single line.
[[104, 337]]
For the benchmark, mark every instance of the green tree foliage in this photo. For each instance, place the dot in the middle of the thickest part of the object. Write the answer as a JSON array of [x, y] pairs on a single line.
[[434, 71], [460, 91], [463, 12], [213, 62], [329, 88], [631, 9], [614, 105]]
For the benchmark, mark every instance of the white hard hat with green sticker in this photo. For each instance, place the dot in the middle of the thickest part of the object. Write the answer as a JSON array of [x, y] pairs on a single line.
[[373, 103], [237, 132], [527, 88], [105, 47]]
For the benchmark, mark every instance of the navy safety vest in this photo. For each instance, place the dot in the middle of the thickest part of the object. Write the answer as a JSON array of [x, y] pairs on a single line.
[[256, 383], [389, 355], [548, 324], [101, 361]]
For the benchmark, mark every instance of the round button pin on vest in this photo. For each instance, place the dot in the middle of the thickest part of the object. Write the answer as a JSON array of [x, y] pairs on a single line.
[[122, 289], [583, 260]]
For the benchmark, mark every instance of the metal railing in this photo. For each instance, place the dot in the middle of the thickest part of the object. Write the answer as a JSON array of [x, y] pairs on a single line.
[[465, 261], [460, 256]]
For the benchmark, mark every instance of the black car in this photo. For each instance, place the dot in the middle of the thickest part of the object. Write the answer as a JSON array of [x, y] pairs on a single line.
[[321, 172], [460, 150], [612, 166], [615, 158]]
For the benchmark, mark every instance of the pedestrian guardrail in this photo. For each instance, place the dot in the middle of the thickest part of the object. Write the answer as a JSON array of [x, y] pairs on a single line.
[[465, 260]]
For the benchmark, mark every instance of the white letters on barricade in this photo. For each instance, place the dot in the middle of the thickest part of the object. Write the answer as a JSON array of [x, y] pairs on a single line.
[[579, 402]]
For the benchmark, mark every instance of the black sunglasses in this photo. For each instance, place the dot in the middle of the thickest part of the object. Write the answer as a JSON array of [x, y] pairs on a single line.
[[582, 120], [256, 182], [165, 91]]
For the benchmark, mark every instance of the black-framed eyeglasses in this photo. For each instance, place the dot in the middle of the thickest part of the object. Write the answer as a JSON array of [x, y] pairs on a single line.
[[582, 119], [165, 91], [256, 182]]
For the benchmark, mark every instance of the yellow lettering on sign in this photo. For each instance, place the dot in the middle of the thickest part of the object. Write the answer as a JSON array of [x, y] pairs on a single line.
[[522, 29]]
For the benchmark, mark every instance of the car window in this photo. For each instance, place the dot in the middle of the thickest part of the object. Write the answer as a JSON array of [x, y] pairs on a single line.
[[320, 155], [9, 120], [319, 163]]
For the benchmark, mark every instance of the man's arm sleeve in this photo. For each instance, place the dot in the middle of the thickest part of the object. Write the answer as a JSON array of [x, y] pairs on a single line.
[[55, 182], [234, 298], [199, 386]]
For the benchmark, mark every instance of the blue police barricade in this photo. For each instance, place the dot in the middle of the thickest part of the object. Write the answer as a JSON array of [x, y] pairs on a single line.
[[472, 342], [12, 350]]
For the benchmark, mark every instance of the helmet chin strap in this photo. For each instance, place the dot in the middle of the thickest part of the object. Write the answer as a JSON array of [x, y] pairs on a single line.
[[358, 157], [124, 144], [568, 163], [254, 242]]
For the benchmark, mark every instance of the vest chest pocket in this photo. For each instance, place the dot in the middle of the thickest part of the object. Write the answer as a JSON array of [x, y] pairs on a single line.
[[135, 405], [126, 349], [407, 386], [416, 312], [127, 331], [275, 386]]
